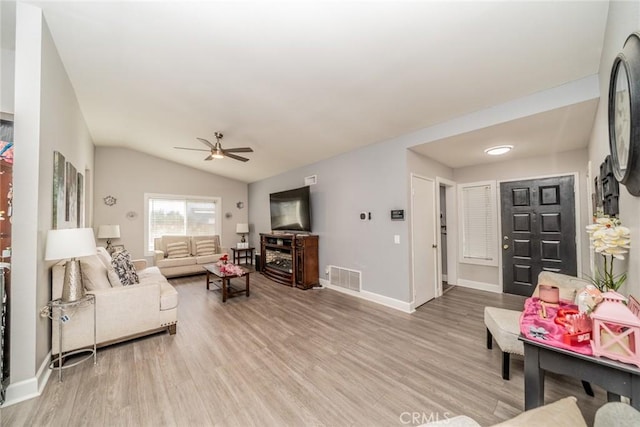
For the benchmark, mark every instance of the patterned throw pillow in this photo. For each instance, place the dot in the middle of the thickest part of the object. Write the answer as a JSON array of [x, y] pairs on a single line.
[[121, 262], [177, 250], [205, 247]]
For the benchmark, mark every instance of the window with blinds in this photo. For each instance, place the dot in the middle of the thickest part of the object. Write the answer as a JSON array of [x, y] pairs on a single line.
[[181, 216], [478, 223]]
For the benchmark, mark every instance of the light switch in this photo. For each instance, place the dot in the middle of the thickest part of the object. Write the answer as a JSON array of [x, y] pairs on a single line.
[[396, 239]]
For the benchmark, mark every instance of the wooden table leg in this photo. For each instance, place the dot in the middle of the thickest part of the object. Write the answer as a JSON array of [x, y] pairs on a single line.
[[208, 279], [533, 378], [225, 285], [635, 392], [247, 290]]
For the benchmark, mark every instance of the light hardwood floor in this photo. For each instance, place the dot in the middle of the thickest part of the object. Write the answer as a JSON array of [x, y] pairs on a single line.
[[290, 357]]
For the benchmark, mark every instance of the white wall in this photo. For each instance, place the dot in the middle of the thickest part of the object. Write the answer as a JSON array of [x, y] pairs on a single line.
[[554, 164], [48, 118], [128, 174], [623, 19]]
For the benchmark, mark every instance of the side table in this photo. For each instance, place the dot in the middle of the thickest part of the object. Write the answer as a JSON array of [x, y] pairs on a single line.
[[243, 254], [62, 312]]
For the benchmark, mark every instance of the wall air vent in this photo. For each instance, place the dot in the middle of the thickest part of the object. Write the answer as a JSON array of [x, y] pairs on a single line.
[[345, 278]]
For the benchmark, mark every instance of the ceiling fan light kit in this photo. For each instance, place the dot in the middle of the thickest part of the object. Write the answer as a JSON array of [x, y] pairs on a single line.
[[217, 152]]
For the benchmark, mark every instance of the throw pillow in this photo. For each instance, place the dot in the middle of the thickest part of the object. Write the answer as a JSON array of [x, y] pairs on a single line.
[[113, 277], [177, 250], [122, 264], [205, 247], [94, 273]]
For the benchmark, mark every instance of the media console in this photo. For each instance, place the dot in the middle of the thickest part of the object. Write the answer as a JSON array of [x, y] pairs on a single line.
[[290, 259]]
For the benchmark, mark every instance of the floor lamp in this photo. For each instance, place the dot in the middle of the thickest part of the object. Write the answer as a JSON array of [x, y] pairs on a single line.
[[70, 243]]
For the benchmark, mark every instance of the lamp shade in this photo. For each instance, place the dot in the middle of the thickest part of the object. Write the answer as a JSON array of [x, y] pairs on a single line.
[[109, 232], [242, 228], [69, 243]]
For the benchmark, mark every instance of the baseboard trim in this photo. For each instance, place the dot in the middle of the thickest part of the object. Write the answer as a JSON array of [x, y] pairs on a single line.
[[371, 296], [482, 286], [29, 388]]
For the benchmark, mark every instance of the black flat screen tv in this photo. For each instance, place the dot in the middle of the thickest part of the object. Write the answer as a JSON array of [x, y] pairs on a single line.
[[291, 210]]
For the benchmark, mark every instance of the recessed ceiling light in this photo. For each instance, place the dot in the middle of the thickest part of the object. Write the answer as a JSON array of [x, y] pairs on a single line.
[[499, 150]]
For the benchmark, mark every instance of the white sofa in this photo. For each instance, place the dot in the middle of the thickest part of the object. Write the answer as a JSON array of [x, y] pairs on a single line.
[[562, 413], [191, 262], [122, 312]]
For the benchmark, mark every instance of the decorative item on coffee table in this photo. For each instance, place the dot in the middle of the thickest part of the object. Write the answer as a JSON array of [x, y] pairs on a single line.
[[228, 268]]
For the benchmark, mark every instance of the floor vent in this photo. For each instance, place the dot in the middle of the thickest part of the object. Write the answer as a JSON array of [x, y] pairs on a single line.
[[345, 278]]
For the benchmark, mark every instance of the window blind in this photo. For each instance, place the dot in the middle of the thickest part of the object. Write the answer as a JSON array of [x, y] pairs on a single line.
[[181, 217], [478, 222]]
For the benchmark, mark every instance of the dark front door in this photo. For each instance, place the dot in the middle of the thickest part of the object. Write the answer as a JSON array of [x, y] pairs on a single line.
[[538, 231]]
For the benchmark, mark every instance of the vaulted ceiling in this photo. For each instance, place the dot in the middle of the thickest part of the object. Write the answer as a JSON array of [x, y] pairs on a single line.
[[304, 81]]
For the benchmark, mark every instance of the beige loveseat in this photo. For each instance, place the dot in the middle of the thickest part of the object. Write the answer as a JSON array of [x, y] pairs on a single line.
[[122, 312], [198, 251]]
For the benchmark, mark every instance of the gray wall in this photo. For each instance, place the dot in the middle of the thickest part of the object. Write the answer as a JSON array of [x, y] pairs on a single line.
[[48, 119], [376, 178], [553, 164], [128, 174], [370, 179], [7, 78], [623, 19]]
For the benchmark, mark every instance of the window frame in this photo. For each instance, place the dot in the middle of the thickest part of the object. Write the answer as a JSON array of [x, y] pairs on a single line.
[[492, 237], [150, 196]]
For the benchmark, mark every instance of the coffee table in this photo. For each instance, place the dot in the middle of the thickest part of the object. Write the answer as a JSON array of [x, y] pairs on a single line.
[[227, 290]]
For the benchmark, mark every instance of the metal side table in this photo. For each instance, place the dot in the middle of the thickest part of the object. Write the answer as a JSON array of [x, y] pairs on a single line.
[[59, 310]]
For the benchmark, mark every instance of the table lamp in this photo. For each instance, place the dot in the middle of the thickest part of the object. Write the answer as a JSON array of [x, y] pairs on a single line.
[[70, 243], [109, 232], [242, 229]]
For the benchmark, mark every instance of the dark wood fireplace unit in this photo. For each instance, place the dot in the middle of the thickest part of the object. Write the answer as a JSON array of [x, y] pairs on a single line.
[[290, 259]]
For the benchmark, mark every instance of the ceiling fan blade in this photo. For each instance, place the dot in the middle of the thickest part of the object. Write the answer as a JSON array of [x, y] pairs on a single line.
[[233, 156], [192, 149], [238, 150], [209, 157], [204, 141]]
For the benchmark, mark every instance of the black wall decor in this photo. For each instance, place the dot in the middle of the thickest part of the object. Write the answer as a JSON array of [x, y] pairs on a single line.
[[610, 188], [624, 115]]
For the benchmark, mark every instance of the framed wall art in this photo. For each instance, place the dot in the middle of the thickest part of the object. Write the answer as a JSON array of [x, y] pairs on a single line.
[[59, 189]]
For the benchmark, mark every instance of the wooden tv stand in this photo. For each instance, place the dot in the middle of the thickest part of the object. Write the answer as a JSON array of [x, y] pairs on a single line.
[[290, 259]]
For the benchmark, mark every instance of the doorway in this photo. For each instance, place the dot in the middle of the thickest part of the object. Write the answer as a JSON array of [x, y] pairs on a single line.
[[447, 234], [423, 238], [538, 231]]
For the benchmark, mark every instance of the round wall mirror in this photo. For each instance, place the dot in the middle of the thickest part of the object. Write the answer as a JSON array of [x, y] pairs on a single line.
[[624, 115]]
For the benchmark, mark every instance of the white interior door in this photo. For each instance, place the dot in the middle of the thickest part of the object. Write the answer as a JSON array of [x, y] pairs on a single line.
[[423, 225]]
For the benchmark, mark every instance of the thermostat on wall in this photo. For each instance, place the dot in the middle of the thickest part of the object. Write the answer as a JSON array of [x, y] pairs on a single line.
[[397, 214]]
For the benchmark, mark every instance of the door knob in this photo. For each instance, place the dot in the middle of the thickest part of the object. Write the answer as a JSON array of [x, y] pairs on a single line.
[[505, 247]]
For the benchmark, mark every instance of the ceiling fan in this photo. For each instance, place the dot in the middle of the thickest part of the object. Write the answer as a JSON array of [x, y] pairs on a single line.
[[217, 152]]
